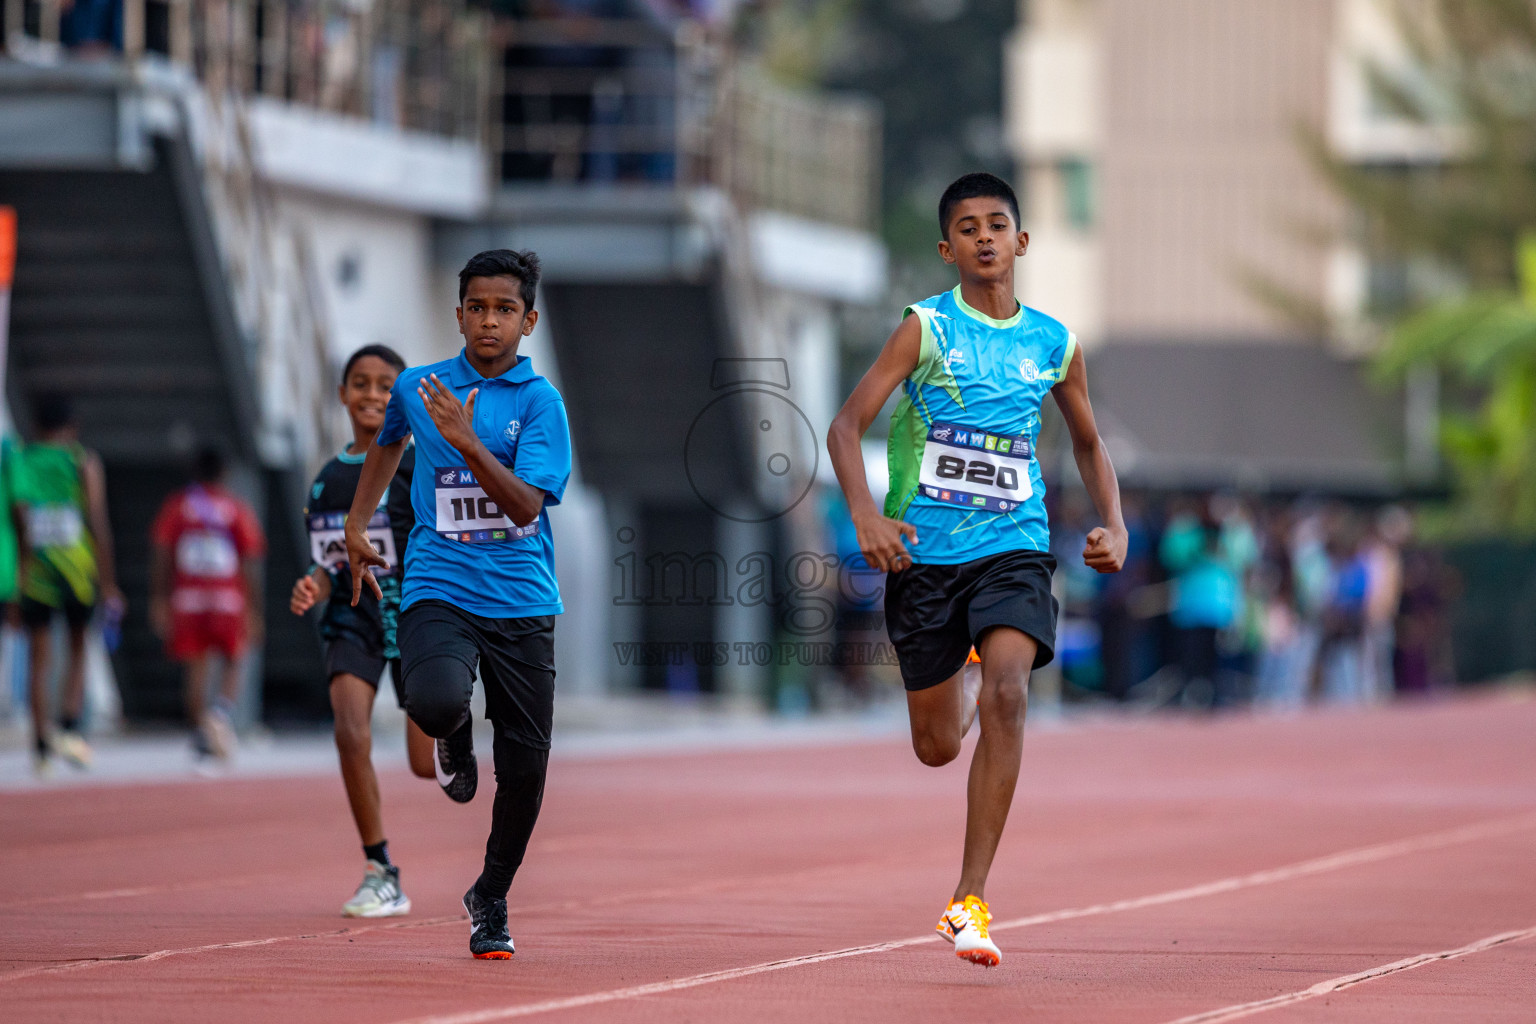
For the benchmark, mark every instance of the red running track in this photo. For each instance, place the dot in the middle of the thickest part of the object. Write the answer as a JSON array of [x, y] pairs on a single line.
[[1342, 867]]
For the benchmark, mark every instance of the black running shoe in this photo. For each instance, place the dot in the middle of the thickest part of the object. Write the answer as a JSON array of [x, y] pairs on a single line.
[[455, 764], [488, 935]]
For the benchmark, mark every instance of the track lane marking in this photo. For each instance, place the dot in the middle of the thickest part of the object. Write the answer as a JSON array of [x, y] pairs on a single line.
[[161, 954], [655, 893], [1332, 985], [1347, 858], [1301, 869]]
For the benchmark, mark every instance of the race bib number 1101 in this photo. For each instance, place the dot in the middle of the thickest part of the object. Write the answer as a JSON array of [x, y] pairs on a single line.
[[466, 513], [975, 469]]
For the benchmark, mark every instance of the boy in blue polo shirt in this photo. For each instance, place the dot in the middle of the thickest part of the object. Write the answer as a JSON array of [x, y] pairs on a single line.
[[493, 451]]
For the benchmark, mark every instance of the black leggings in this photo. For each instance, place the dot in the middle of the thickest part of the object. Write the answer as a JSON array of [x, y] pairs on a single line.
[[520, 771], [440, 647]]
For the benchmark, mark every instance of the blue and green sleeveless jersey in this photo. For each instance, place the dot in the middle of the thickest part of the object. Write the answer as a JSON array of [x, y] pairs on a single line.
[[962, 447]]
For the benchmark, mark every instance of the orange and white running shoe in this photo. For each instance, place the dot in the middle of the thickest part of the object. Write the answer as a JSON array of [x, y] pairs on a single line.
[[965, 924]]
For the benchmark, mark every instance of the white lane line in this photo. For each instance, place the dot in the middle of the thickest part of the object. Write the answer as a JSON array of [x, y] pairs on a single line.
[[640, 895], [161, 954], [143, 890], [1324, 988], [659, 987], [1302, 869]]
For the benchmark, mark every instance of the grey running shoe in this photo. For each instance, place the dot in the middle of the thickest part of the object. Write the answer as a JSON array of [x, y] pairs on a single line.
[[455, 765], [488, 935], [379, 894], [218, 734], [71, 746]]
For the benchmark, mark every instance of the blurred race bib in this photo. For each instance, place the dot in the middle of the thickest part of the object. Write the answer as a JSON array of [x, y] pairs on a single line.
[[54, 526], [207, 554], [328, 540]]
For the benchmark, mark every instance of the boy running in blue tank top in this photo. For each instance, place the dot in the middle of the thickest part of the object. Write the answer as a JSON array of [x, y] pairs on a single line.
[[963, 537]]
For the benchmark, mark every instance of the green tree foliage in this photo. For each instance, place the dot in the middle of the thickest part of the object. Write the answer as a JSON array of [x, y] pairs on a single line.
[[1473, 217]]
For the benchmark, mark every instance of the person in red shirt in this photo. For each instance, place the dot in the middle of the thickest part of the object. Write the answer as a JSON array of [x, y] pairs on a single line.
[[205, 596]]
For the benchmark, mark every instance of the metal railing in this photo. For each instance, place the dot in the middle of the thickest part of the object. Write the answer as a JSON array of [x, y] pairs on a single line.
[[804, 153], [631, 101], [272, 277], [575, 100], [413, 64]]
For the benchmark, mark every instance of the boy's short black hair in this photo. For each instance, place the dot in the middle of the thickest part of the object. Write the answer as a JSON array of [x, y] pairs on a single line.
[[522, 265], [208, 464], [383, 352], [53, 412], [976, 185]]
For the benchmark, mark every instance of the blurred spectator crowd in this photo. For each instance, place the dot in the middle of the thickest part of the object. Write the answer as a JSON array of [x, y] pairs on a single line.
[[1228, 601]]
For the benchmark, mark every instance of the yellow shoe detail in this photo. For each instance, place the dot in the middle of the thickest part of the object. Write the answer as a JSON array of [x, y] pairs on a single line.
[[971, 938]]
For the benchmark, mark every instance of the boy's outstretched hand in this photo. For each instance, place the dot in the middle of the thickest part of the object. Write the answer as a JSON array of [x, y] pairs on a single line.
[[881, 541], [361, 554], [1105, 550]]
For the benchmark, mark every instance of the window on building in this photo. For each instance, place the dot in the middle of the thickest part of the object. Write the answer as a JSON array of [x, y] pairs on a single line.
[[1077, 192]]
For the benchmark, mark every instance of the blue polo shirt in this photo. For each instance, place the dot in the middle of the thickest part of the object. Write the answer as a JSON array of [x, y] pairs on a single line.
[[463, 549]]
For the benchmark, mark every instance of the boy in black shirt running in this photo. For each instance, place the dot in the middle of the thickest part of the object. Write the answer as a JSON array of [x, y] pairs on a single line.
[[360, 640]]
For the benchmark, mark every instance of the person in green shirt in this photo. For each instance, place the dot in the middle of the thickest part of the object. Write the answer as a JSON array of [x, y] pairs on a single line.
[[7, 528], [59, 510]]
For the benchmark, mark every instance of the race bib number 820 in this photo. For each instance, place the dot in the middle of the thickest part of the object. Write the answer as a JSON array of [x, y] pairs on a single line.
[[466, 513], [976, 469]]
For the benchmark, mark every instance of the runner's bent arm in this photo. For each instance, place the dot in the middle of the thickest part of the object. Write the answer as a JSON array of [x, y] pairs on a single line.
[[160, 569], [313, 588], [378, 470], [23, 542], [521, 501], [879, 537], [95, 480], [255, 617], [1105, 550]]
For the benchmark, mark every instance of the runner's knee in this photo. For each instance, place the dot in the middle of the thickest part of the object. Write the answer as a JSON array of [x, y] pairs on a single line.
[[437, 692], [935, 751], [1004, 701], [353, 736]]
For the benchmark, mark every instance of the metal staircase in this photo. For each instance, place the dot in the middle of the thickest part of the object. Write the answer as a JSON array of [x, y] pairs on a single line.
[[129, 298]]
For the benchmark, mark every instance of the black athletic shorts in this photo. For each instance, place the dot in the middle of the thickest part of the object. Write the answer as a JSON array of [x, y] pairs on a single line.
[[936, 613], [516, 658], [346, 654], [35, 614]]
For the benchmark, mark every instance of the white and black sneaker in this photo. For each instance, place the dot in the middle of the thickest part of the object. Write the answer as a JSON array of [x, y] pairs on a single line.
[[455, 765], [488, 935], [379, 895]]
